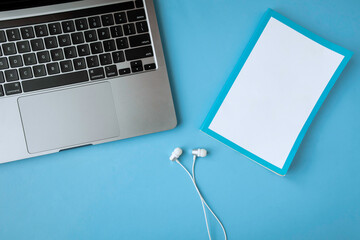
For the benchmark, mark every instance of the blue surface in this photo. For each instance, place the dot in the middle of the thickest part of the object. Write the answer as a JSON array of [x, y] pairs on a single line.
[[130, 190], [239, 65]]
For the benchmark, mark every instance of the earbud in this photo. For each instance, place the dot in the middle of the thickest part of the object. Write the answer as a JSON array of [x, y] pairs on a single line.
[[200, 152], [176, 154]]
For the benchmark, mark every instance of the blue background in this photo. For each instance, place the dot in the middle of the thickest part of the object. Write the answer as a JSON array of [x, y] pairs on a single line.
[[130, 190]]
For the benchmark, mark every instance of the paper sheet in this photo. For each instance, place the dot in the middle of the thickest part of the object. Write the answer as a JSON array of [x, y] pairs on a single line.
[[275, 92]]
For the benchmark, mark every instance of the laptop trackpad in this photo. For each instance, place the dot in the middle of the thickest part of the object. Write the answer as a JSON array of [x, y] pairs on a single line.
[[67, 118]]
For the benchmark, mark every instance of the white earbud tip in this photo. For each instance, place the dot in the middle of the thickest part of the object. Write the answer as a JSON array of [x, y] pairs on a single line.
[[178, 151], [176, 154], [203, 153], [200, 152]]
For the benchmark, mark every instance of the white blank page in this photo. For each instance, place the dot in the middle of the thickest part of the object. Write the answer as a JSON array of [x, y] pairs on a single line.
[[275, 92]]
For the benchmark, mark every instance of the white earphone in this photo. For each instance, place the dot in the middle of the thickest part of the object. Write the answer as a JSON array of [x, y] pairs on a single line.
[[176, 154], [197, 153]]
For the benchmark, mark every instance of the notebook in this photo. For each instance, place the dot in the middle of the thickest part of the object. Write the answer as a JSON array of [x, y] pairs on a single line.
[[275, 91]]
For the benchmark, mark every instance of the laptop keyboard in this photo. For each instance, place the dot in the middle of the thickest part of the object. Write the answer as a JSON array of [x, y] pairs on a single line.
[[72, 47]]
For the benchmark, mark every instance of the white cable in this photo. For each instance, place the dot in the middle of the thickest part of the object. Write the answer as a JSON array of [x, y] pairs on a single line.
[[198, 191], [202, 202]]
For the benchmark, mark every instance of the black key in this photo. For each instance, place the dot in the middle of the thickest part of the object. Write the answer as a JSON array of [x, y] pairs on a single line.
[[137, 53], [41, 30], [43, 56], [120, 17], [57, 54], [111, 71], [4, 63], [116, 31], [83, 50], [96, 73], [142, 27], [64, 40], [2, 36], [90, 35], [53, 68], [66, 66], [25, 73], [39, 70], [79, 63], [27, 32], [137, 63], [96, 48], [122, 43], [92, 61], [139, 3], [0, 52], [70, 52], [15, 61], [94, 22], [136, 66], [81, 24], [124, 71], [105, 59], [13, 34], [129, 29], [107, 20], [77, 38], [2, 79], [118, 56], [29, 59], [103, 33], [139, 40], [37, 44], [50, 42], [12, 88], [136, 15], [54, 28], [23, 46], [11, 75], [1, 91], [55, 81], [9, 48], [109, 45], [68, 26]]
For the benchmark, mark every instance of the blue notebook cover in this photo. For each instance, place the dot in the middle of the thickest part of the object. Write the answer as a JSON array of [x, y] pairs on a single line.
[[241, 139]]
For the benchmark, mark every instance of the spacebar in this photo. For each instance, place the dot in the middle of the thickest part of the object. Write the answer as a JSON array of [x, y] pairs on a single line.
[[55, 81]]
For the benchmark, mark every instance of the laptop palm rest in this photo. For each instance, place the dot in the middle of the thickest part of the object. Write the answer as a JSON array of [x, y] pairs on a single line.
[[68, 118]]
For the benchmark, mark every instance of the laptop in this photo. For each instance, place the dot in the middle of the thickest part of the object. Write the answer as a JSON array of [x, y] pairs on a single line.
[[78, 73]]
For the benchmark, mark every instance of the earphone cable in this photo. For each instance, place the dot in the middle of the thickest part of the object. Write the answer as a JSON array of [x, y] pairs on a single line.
[[202, 202], [201, 197]]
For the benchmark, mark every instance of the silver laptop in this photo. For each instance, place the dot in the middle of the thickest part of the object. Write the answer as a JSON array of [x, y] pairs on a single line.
[[77, 73]]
